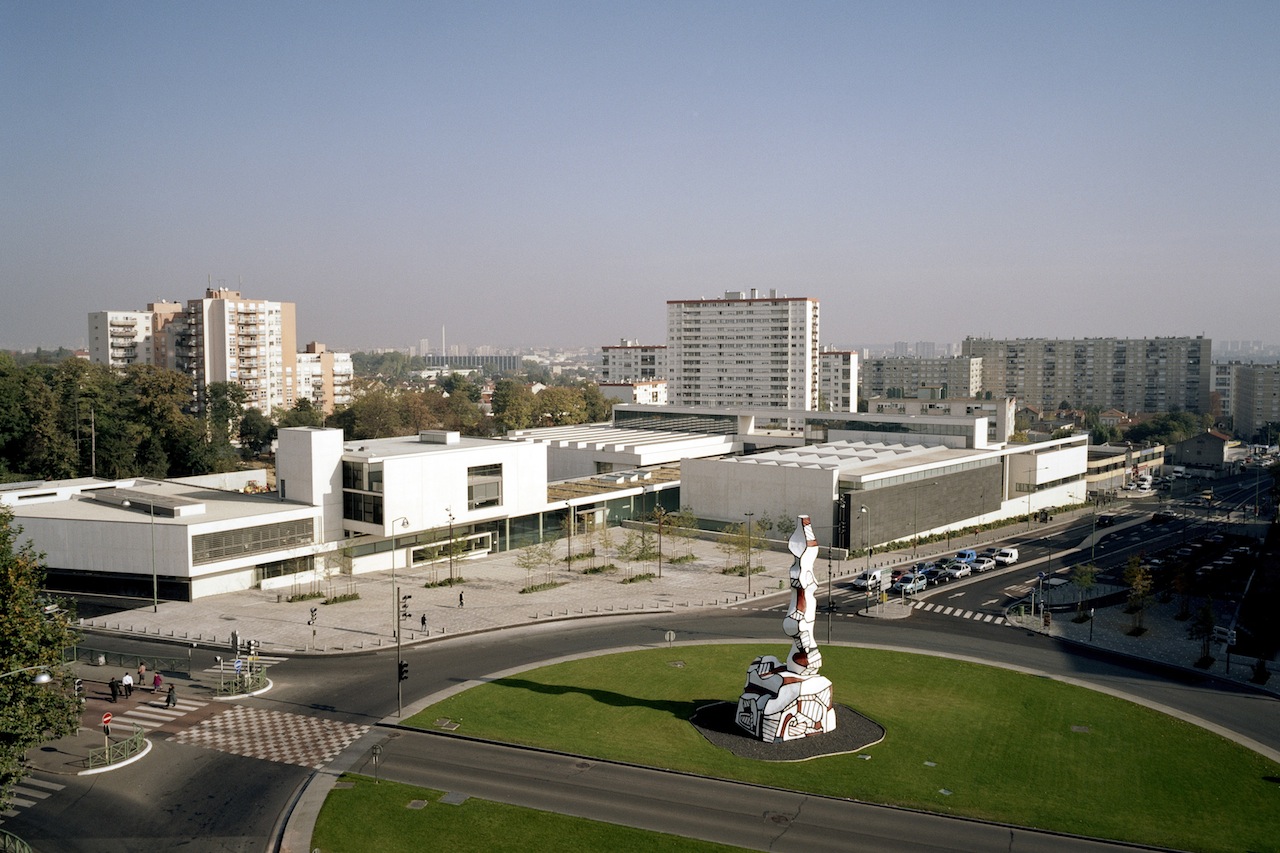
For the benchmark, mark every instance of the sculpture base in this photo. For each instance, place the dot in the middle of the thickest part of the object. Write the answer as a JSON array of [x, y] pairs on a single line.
[[778, 704], [717, 723]]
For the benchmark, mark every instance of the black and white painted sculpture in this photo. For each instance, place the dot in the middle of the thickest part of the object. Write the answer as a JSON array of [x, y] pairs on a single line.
[[789, 701]]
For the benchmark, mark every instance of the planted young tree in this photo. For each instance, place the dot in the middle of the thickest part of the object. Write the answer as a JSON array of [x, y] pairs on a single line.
[[733, 544], [681, 526], [786, 525], [1201, 628], [1138, 577], [32, 638], [1084, 576], [607, 540]]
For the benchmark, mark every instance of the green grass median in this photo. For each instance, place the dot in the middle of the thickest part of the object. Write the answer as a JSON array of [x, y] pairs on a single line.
[[1002, 745]]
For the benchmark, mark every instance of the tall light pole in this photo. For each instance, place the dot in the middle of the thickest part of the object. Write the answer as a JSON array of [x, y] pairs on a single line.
[[155, 583], [42, 677], [749, 515], [867, 531], [450, 546], [660, 514], [395, 599]]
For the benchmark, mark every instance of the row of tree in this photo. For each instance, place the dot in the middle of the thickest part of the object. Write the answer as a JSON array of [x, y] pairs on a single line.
[[74, 419]]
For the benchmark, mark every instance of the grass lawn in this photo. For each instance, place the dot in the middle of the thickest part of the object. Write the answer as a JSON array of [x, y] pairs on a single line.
[[377, 817], [1009, 747]]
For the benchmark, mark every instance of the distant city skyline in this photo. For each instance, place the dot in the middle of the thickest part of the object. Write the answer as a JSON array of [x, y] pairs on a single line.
[[549, 174]]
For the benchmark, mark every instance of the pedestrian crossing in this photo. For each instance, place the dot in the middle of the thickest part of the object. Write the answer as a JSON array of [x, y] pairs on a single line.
[[154, 713], [960, 613], [29, 791], [228, 667]]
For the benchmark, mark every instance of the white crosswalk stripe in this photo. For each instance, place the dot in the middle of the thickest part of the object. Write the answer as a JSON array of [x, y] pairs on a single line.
[[229, 664], [959, 612], [29, 791], [154, 714]]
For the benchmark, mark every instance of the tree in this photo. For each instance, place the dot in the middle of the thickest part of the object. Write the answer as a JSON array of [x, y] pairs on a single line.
[[559, 406], [1138, 577], [455, 384], [513, 405], [29, 637], [256, 431], [599, 407], [303, 414], [1084, 576], [1201, 628], [681, 526]]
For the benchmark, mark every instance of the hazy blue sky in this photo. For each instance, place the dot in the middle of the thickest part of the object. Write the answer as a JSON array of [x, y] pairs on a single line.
[[552, 173]]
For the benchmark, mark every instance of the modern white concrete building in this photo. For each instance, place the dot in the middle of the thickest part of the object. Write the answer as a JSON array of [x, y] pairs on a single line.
[[647, 393], [743, 349], [1000, 411]]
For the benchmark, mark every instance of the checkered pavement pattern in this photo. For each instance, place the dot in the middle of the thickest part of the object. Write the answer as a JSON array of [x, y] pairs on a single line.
[[272, 736], [960, 613], [29, 791]]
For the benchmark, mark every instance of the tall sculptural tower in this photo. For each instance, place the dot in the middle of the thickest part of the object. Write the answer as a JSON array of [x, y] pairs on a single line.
[[788, 701]]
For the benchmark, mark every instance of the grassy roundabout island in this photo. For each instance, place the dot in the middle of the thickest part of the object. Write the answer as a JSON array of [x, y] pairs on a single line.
[[961, 739]]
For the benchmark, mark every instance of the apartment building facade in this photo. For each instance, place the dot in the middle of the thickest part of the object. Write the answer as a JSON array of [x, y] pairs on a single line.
[[631, 361], [1257, 401], [837, 381], [903, 376], [743, 349], [1131, 374], [324, 377]]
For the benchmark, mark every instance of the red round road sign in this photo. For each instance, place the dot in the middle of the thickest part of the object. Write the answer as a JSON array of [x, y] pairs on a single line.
[[106, 719]]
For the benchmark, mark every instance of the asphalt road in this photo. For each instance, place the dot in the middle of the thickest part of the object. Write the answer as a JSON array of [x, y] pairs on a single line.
[[725, 812], [187, 797]]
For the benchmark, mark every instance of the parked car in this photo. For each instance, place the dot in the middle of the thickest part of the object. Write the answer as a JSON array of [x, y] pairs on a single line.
[[984, 564], [1006, 556], [910, 584]]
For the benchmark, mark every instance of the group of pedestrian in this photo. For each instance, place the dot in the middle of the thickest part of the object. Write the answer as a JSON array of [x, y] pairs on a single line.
[[124, 685]]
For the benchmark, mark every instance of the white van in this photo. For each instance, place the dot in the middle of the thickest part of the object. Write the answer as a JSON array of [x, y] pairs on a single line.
[[1007, 556], [870, 580]]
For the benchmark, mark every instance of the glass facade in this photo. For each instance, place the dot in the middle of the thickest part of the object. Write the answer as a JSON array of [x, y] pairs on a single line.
[[212, 547]]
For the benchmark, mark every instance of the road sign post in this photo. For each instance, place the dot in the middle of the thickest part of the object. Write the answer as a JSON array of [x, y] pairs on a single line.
[[106, 729]]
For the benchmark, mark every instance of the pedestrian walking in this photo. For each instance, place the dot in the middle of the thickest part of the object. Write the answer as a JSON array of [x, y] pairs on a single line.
[[459, 599], [424, 621], [142, 675], [127, 681], [115, 688], [156, 682], [171, 700]]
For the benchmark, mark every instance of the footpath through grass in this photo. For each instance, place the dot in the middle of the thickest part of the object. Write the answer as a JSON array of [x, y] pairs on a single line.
[[393, 818], [1004, 746]]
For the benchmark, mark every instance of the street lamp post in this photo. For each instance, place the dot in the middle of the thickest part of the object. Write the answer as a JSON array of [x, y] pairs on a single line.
[[155, 583], [395, 603], [867, 531], [450, 546], [42, 676], [749, 515], [660, 514]]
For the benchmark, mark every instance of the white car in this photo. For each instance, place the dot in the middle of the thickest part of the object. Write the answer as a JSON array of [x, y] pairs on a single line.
[[983, 564], [959, 570]]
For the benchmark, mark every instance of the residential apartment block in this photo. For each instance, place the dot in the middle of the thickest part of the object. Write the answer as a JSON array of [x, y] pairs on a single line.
[[743, 350], [324, 377], [225, 338], [903, 376], [1131, 374], [253, 342], [837, 381], [1257, 401], [631, 361]]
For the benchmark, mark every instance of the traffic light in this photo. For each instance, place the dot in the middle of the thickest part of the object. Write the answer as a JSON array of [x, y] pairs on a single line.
[[78, 684], [404, 670], [312, 621]]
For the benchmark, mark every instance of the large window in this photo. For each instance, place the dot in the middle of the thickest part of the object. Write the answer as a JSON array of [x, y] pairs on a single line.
[[211, 547], [358, 507], [484, 486]]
